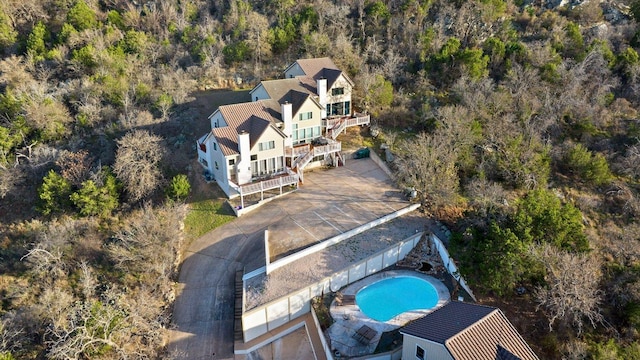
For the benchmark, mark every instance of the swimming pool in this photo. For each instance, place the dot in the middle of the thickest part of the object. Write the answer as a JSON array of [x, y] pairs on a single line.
[[387, 298]]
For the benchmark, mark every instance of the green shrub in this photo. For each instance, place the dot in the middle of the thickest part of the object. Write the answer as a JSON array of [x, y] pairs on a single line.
[[236, 52], [82, 17], [179, 188], [92, 199], [54, 193], [584, 164], [541, 217]]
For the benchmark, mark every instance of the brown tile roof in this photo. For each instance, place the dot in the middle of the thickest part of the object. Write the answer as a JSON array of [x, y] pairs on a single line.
[[252, 117], [315, 67], [321, 68], [296, 91], [472, 332]]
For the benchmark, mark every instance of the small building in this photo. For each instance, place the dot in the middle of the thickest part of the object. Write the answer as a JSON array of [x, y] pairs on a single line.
[[289, 124], [464, 331]]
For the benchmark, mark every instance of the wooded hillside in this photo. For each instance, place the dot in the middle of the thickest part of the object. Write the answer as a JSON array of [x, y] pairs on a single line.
[[516, 122]]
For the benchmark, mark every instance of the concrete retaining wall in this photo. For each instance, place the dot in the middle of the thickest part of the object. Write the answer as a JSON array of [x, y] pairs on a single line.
[[280, 311], [381, 163]]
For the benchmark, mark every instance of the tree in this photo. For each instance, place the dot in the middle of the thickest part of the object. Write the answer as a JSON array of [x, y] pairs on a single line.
[[81, 16], [36, 42], [571, 295], [136, 164], [542, 218], [94, 199], [592, 168], [496, 259], [54, 193], [179, 188], [428, 163]]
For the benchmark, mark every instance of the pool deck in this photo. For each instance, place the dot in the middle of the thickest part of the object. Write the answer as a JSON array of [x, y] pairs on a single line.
[[348, 318]]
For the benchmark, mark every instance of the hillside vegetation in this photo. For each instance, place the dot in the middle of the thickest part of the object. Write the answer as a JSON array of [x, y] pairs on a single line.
[[516, 122]]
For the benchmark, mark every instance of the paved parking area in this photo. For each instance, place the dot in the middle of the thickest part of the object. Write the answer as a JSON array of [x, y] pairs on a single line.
[[331, 201]]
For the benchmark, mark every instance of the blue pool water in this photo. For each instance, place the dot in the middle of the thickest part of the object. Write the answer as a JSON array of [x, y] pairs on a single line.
[[385, 299]]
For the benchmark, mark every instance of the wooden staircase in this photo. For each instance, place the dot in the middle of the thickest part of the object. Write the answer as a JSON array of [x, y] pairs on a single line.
[[237, 311]]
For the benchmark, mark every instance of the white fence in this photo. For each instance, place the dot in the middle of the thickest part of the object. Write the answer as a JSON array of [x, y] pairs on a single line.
[[267, 317], [448, 262], [323, 340]]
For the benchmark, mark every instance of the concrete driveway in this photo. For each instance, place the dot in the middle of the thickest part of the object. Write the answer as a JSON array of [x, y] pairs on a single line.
[[203, 312]]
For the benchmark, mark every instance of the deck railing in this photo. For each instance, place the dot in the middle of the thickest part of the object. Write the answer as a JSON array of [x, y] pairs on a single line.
[[278, 182], [297, 150], [356, 119]]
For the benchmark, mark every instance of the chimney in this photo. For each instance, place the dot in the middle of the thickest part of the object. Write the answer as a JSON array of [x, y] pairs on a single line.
[[321, 86], [244, 165], [286, 110]]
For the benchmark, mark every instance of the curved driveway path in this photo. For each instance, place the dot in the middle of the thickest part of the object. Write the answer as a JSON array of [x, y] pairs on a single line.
[[203, 310], [329, 203]]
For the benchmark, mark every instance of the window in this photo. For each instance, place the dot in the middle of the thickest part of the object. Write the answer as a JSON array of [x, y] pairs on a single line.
[[232, 161], [216, 165], [337, 91], [347, 107], [305, 135], [267, 145], [215, 146], [306, 115], [254, 157], [419, 353]]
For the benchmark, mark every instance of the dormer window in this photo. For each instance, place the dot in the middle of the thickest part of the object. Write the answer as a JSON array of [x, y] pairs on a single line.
[[337, 91]]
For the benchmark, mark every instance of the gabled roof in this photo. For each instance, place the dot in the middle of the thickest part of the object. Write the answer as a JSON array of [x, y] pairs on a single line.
[[319, 68], [252, 117], [295, 91], [472, 332]]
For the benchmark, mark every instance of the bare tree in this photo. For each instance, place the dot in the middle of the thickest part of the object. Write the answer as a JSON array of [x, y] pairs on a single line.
[[427, 163], [571, 296], [75, 166], [136, 165]]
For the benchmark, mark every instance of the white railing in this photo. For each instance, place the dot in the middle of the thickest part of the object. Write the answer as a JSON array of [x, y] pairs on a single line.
[[301, 162], [356, 119], [297, 150], [335, 131], [267, 185], [327, 149]]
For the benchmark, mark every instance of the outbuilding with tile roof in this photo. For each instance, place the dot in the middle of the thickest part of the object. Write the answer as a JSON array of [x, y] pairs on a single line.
[[464, 331]]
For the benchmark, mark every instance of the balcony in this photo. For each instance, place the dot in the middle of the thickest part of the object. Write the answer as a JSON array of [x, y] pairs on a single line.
[[353, 120]]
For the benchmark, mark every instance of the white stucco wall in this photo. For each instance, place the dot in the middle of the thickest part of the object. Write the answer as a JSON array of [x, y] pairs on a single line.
[[216, 117], [433, 351], [341, 82]]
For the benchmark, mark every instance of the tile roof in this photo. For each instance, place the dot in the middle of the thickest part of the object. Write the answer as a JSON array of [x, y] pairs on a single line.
[[314, 67], [322, 68], [252, 117], [472, 332], [296, 90]]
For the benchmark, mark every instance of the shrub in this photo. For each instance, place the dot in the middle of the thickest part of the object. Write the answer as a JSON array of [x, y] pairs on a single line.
[[541, 217], [54, 193], [179, 188], [592, 168], [92, 199]]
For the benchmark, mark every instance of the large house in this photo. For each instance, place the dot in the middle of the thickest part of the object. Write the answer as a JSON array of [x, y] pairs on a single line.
[[290, 124], [464, 331]]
